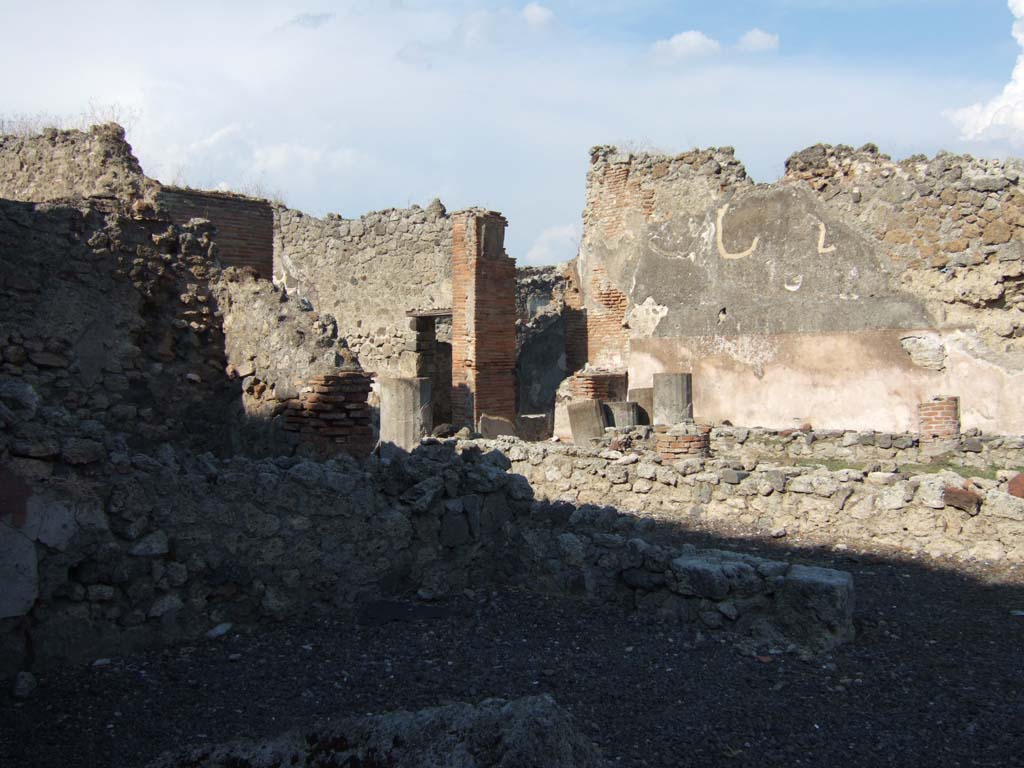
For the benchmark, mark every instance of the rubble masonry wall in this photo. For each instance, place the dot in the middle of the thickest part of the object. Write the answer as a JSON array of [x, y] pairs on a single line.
[[367, 273], [930, 514]]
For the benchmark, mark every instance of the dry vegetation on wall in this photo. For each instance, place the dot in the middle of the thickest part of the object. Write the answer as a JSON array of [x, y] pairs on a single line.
[[96, 113]]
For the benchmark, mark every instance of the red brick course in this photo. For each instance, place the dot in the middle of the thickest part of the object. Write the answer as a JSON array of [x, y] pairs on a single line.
[[245, 225], [331, 413], [939, 418], [683, 444], [616, 196], [598, 385]]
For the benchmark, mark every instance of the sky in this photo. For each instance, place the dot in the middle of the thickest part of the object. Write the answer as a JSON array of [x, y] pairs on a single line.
[[358, 105]]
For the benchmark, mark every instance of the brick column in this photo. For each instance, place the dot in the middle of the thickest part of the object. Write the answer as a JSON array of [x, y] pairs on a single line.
[[483, 319], [331, 414], [683, 441], [939, 418], [599, 385]]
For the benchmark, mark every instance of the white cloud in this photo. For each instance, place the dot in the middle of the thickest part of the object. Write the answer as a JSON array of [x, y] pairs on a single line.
[[537, 15], [689, 44], [757, 40], [310, 20], [1002, 117], [555, 244], [393, 103]]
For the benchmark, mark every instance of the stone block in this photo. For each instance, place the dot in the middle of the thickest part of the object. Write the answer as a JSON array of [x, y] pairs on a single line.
[[491, 427], [816, 605], [622, 413], [962, 499], [1003, 505], [405, 412], [586, 420], [644, 399], [733, 476], [699, 577], [19, 572], [673, 398], [533, 427], [1016, 486]]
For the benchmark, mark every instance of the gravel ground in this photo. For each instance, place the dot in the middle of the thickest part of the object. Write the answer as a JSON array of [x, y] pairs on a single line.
[[935, 678]]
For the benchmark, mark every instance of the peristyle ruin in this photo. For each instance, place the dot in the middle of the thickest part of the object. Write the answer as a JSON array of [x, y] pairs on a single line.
[[216, 410]]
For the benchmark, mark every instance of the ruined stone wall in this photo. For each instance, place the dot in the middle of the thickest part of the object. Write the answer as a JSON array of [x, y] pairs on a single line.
[[111, 320], [59, 164], [618, 557], [845, 294], [147, 549], [540, 336], [276, 345], [245, 225], [367, 273], [942, 515], [128, 326], [977, 452], [152, 548]]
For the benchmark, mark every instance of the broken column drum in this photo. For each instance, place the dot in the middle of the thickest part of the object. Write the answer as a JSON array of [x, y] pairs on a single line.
[[405, 412], [673, 398], [587, 421]]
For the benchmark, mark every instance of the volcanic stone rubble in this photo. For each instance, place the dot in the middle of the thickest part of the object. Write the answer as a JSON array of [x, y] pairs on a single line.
[[935, 513], [531, 732]]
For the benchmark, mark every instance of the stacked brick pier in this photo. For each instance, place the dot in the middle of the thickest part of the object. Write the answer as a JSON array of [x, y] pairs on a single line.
[[483, 319], [683, 441], [939, 418], [332, 415], [606, 386]]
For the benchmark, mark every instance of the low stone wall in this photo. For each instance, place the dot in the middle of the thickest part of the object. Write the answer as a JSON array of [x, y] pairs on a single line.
[[599, 553], [971, 451], [524, 733], [146, 550], [103, 557], [940, 515]]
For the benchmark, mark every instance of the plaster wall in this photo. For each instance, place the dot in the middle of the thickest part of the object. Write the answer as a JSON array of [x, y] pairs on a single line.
[[844, 295], [858, 380]]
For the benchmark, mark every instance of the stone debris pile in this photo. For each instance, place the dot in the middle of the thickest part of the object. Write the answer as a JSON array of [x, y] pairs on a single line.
[[531, 732]]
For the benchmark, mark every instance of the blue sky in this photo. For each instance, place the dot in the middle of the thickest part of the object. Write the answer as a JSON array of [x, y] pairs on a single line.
[[354, 106]]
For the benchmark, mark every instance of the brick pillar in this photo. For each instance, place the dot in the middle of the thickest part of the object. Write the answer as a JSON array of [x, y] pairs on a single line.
[[939, 418], [483, 319], [331, 414], [683, 441]]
